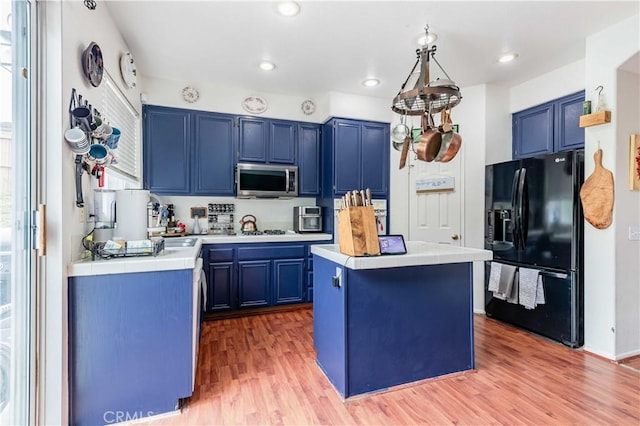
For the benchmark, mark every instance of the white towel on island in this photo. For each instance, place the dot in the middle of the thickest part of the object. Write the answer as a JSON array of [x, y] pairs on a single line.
[[531, 288]]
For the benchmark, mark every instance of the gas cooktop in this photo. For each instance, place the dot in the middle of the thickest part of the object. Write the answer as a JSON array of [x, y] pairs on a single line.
[[265, 232]]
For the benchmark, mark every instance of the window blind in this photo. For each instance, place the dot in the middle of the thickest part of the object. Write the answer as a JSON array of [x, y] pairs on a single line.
[[119, 113]]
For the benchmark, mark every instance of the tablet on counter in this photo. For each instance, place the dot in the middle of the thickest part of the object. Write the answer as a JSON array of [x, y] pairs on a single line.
[[392, 244]]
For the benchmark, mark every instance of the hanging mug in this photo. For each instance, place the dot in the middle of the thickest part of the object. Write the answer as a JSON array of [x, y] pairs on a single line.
[[98, 153], [77, 140], [83, 118], [112, 140]]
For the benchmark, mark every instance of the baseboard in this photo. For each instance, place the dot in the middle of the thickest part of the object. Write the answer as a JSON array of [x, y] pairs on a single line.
[[238, 313]]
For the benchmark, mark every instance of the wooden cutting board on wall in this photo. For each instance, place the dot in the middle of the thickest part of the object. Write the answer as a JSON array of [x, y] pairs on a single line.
[[597, 195]]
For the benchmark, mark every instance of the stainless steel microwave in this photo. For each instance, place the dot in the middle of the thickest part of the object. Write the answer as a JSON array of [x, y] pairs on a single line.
[[266, 181]]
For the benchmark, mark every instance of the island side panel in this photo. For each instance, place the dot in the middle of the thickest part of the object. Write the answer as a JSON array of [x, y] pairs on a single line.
[[407, 324], [129, 345], [329, 321]]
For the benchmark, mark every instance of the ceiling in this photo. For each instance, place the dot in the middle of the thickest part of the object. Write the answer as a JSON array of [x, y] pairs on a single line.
[[335, 45]]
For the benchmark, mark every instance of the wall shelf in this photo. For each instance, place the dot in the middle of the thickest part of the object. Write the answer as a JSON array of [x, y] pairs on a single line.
[[595, 119]]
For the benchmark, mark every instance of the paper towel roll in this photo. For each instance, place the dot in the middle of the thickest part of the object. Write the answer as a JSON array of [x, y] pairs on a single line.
[[131, 213]]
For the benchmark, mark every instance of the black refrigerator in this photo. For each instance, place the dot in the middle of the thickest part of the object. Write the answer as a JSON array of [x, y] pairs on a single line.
[[534, 220]]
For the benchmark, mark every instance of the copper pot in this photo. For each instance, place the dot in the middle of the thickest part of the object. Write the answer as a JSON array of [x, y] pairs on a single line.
[[451, 140], [430, 140]]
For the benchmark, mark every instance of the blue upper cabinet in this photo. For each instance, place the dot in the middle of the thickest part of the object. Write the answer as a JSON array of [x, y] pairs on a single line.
[[347, 159], [547, 128], [375, 158], [266, 141], [188, 152], [357, 157], [533, 131], [166, 141], [309, 164], [282, 142], [567, 122], [213, 154], [252, 145]]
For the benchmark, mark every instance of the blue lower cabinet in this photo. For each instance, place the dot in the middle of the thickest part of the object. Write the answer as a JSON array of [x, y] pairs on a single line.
[[288, 281], [255, 275], [253, 283], [222, 288], [130, 345]]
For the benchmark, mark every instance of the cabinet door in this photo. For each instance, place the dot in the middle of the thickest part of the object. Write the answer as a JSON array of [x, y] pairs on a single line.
[[533, 131], [252, 143], [282, 142], [221, 286], [166, 143], [309, 164], [253, 283], [213, 154], [346, 156], [288, 281], [375, 158], [568, 133]]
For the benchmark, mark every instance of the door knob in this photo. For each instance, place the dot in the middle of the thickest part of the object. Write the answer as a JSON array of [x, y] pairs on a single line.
[[455, 236]]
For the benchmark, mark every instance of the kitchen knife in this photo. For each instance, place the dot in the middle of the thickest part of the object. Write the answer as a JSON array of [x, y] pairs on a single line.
[[363, 198], [347, 197], [368, 191]]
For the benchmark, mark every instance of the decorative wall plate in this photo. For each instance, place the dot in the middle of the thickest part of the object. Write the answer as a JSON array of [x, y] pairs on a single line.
[[308, 107], [128, 70], [190, 94], [254, 104], [92, 64]]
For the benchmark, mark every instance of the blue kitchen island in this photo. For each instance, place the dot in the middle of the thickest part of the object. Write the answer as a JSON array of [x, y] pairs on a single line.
[[384, 321]]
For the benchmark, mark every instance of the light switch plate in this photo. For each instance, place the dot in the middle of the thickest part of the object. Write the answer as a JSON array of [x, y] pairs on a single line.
[[634, 233]]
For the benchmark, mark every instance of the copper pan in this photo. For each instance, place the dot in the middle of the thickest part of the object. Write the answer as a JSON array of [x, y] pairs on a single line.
[[451, 141], [430, 140]]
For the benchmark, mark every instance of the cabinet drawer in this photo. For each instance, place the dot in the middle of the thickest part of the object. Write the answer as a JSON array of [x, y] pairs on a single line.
[[272, 252], [219, 254]]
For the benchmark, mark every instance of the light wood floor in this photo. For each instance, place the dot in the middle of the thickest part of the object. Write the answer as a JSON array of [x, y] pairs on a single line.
[[261, 370]]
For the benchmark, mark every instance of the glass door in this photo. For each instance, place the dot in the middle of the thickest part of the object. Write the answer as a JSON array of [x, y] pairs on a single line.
[[16, 183]]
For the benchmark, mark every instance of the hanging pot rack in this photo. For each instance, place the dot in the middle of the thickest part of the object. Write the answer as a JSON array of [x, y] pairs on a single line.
[[426, 95]]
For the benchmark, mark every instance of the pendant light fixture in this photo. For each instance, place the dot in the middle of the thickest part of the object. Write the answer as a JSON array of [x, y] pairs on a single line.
[[426, 95]]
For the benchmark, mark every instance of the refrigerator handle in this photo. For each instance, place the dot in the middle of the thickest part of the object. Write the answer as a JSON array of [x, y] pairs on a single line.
[[523, 207], [515, 228]]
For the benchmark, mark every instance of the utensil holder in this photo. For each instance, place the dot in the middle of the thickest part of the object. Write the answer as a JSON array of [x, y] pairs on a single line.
[[357, 232]]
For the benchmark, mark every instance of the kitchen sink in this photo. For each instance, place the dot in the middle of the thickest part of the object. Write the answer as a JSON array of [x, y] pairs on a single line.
[[180, 242]]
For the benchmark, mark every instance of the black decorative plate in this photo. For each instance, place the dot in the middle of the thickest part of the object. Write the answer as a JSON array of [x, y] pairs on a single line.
[[92, 64]]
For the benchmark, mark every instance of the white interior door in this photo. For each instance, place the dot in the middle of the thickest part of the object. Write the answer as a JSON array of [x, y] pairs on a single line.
[[436, 216]]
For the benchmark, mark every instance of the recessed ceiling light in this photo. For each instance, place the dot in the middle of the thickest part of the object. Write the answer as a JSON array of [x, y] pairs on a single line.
[[266, 65], [288, 8], [424, 39], [507, 57], [371, 82]]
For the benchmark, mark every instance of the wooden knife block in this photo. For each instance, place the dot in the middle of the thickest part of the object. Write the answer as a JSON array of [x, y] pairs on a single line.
[[357, 232]]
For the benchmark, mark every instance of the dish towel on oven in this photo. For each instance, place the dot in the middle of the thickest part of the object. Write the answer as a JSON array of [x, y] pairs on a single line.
[[531, 288], [501, 282]]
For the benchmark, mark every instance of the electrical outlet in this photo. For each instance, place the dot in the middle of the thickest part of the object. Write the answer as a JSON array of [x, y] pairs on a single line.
[[634, 233], [82, 214]]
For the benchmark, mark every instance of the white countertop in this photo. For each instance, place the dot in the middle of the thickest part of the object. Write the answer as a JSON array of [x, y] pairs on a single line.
[[418, 253], [177, 258]]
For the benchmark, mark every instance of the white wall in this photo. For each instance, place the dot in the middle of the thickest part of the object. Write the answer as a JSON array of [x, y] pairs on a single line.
[[627, 303], [69, 27], [498, 124], [557, 83], [471, 115], [607, 280]]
